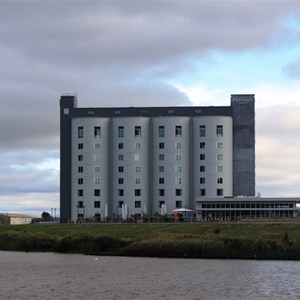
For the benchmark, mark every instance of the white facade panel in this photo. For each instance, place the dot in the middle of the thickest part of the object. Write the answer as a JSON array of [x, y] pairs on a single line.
[[171, 163], [90, 168], [212, 156], [130, 165], [140, 163]]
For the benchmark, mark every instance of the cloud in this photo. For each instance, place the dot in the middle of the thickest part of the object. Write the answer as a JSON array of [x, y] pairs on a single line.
[[31, 203], [277, 149], [118, 53], [136, 33], [30, 171], [292, 70]]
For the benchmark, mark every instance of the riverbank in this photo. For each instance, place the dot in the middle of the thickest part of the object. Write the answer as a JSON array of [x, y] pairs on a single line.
[[192, 240]]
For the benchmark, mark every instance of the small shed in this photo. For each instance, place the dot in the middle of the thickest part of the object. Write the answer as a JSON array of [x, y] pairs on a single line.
[[15, 219]]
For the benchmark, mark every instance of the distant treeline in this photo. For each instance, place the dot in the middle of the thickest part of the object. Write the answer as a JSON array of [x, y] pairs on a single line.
[[213, 245]]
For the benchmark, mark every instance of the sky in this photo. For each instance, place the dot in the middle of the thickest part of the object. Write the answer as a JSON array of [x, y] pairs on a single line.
[[143, 53]]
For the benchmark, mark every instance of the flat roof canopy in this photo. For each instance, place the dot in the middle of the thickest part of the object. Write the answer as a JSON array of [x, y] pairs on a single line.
[[247, 199]]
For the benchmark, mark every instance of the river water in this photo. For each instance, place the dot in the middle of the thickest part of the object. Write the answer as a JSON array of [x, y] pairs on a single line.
[[67, 276]]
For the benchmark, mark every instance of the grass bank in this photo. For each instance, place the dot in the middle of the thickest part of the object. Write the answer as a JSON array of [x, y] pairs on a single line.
[[193, 240]]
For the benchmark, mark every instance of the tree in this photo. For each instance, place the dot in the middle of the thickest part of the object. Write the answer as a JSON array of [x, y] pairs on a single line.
[[46, 216]]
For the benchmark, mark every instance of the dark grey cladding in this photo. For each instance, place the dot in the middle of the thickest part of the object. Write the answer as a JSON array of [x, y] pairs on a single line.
[[68, 104], [190, 111], [243, 112]]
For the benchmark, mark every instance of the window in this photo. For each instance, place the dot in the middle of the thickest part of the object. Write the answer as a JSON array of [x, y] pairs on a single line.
[[137, 192], [97, 146], [178, 145], [202, 156], [80, 132], [137, 145], [137, 204], [121, 146], [121, 169], [219, 169], [202, 131], [80, 157], [202, 145], [220, 180], [80, 146], [161, 180], [137, 180], [219, 130], [219, 156], [97, 204], [137, 157], [219, 192], [121, 157], [80, 204], [178, 169], [97, 193], [97, 157], [137, 131], [120, 192], [97, 169], [161, 169], [178, 180], [120, 203], [202, 192], [79, 193], [121, 131], [137, 169], [97, 131], [161, 157], [97, 180], [219, 145], [161, 192], [178, 131], [121, 180], [178, 192], [161, 131], [161, 145], [202, 169], [177, 157], [80, 180], [202, 180], [178, 204], [80, 169]]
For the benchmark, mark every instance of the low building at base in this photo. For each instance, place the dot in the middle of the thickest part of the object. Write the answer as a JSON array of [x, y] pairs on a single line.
[[243, 208]]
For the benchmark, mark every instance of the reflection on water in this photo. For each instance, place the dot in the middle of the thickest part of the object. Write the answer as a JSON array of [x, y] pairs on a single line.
[[68, 276]]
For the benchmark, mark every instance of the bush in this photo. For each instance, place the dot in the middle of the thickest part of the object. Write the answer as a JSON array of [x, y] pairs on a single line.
[[89, 244]]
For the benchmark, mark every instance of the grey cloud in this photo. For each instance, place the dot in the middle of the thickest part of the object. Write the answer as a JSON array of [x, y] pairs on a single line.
[[25, 172], [112, 53], [33, 204], [100, 33], [279, 120]]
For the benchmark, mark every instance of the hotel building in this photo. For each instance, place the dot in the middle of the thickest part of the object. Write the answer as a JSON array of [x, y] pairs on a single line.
[[140, 158]]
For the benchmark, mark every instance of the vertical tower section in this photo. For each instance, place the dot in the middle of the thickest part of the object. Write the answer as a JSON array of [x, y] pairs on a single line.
[[212, 156], [68, 103], [90, 168], [243, 112], [171, 145], [130, 166]]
